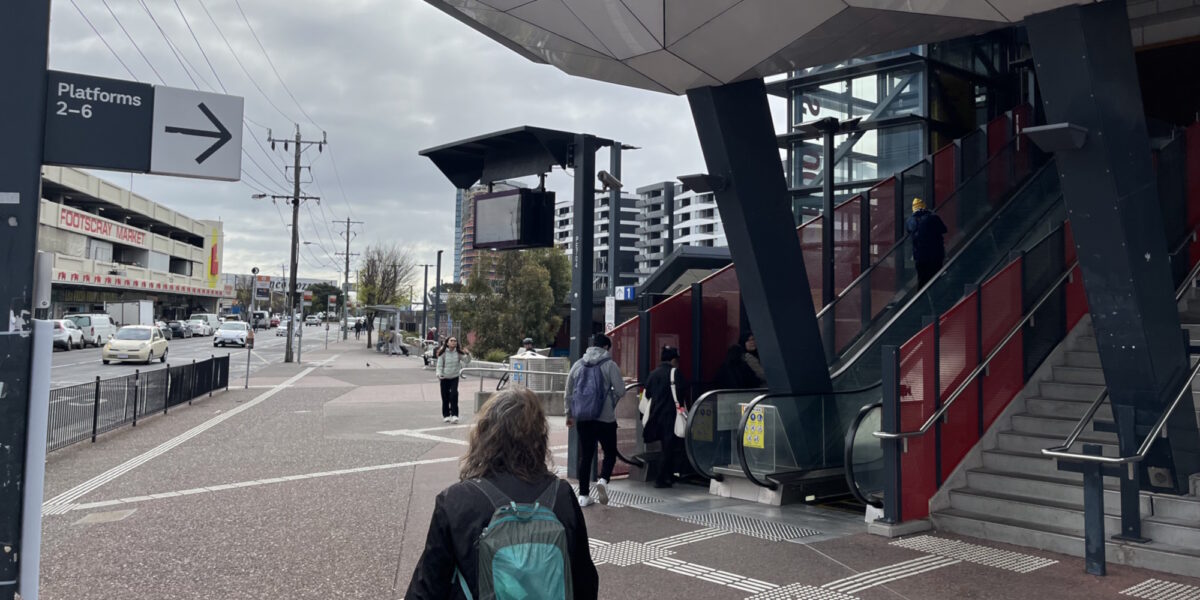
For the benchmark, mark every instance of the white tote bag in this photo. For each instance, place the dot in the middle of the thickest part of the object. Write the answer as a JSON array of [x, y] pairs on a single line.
[[644, 406], [680, 411]]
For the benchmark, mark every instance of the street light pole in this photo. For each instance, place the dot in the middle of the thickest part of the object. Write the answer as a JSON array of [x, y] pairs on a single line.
[[437, 298]]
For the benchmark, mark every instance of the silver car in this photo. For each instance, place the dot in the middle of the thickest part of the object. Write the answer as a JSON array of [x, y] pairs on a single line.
[[67, 335]]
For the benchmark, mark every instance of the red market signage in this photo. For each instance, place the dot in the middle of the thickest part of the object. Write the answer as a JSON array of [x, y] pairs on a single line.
[[118, 282], [100, 227]]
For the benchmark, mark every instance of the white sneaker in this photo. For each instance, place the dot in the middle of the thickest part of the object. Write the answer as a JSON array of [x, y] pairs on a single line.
[[454, 419], [445, 419], [602, 491], [584, 501]]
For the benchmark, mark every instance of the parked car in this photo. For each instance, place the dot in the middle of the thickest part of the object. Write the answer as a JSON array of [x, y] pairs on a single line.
[[97, 329], [211, 319], [275, 321], [66, 335], [234, 332], [200, 327], [166, 331], [312, 320], [136, 343], [179, 329]]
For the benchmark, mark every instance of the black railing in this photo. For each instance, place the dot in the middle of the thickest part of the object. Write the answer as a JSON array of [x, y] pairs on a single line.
[[84, 411]]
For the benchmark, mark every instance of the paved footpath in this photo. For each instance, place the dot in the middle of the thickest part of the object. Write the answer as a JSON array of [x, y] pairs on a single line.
[[318, 482]]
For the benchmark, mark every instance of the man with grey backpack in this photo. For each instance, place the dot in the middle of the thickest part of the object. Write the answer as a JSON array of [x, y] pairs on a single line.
[[593, 388]]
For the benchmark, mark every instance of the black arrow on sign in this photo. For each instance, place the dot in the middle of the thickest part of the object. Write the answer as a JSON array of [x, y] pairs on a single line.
[[222, 134]]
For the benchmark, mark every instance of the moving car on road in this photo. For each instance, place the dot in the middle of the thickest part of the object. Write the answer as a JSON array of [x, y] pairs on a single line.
[[136, 343], [312, 320], [234, 332], [179, 329], [275, 321], [66, 335], [200, 327], [97, 329]]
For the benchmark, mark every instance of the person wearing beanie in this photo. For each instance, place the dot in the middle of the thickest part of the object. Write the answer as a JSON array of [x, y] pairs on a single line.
[[929, 247], [663, 389]]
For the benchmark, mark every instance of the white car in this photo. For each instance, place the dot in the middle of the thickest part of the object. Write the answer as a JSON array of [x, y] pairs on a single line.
[[67, 335], [200, 327], [234, 332], [138, 343], [312, 320]]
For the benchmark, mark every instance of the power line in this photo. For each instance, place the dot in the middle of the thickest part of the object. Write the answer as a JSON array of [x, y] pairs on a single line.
[[199, 47], [106, 45], [131, 41], [171, 46], [243, 67], [270, 62]]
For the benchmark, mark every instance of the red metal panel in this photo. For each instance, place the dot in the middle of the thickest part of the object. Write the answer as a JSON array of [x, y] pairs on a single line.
[[958, 355], [1001, 303], [945, 181], [1193, 176], [917, 394], [1005, 377], [671, 325], [722, 320], [847, 243], [810, 250]]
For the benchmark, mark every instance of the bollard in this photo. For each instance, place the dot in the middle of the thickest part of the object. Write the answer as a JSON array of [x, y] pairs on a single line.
[[96, 410], [167, 389], [192, 391], [1093, 513], [136, 376], [246, 385], [212, 373]]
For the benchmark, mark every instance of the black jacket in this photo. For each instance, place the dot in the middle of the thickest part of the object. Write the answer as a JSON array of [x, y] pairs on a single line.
[[662, 404], [927, 230], [460, 514]]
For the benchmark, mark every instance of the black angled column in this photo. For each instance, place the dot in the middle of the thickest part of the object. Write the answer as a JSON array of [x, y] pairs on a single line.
[[738, 139], [1085, 65]]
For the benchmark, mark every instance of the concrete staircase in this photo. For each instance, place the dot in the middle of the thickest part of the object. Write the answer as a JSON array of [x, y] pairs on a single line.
[[1010, 492]]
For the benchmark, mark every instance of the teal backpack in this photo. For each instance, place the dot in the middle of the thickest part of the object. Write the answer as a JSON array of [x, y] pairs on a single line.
[[523, 550]]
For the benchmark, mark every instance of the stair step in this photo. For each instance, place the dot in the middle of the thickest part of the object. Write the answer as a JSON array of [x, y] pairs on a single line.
[[1078, 358], [1068, 409], [1085, 343], [1176, 507], [1046, 513], [1034, 444], [1087, 375], [1155, 555], [1022, 462], [1059, 427], [1069, 391], [1056, 489]]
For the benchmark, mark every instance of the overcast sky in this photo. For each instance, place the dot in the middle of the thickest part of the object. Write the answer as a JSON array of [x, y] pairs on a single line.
[[384, 79]]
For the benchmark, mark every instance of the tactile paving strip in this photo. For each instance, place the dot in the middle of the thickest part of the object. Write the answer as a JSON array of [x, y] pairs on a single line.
[[1158, 589], [797, 591], [711, 575], [618, 499], [624, 554], [980, 555], [759, 528]]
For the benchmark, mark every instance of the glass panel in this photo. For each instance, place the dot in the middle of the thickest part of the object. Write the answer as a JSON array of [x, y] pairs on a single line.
[[625, 347], [722, 322], [671, 325], [873, 97], [711, 428]]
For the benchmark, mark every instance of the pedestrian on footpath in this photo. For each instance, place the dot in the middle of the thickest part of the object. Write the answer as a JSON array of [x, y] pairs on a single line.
[[502, 476], [357, 328], [450, 362], [594, 386], [662, 388]]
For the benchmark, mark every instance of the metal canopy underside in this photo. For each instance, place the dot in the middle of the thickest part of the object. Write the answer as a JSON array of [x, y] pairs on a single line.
[[672, 46], [517, 152]]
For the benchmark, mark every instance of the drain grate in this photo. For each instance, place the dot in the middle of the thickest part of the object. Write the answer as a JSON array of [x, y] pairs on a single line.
[[624, 554], [759, 528]]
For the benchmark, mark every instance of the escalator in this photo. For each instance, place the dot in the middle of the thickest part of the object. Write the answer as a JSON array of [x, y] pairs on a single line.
[[797, 444]]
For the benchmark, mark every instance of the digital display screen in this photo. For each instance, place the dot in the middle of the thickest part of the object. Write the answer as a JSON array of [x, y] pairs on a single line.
[[498, 219]]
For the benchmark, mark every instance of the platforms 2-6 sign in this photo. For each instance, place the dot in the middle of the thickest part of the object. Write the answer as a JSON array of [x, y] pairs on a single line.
[[95, 122]]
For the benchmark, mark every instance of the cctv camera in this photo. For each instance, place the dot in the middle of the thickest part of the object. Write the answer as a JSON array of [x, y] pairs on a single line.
[[608, 180]]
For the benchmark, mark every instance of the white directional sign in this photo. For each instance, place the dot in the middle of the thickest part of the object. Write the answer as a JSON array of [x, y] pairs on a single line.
[[196, 134]]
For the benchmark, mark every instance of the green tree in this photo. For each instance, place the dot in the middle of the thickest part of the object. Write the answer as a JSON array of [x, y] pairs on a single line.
[[321, 293], [384, 275], [522, 301]]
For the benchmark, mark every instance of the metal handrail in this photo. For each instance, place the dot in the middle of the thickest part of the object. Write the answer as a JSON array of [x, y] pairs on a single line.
[[898, 244], [687, 438], [1061, 451], [511, 370], [1156, 431], [847, 363], [966, 382]]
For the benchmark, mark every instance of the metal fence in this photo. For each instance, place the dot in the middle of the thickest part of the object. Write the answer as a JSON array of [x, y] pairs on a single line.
[[84, 411]]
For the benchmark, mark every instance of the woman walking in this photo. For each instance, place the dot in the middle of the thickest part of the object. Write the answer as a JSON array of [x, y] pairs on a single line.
[[663, 390], [451, 359], [505, 466]]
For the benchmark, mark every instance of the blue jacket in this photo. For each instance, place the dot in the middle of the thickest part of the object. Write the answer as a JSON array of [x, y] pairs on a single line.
[[927, 229]]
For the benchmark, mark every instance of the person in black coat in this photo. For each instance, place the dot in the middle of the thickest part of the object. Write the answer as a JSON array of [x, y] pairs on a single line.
[[735, 373], [660, 427], [509, 447]]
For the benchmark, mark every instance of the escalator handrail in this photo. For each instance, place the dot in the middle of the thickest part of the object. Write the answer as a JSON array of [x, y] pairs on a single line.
[[966, 382], [847, 363], [687, 438], [898, 244], [740, 438], [851, 480]]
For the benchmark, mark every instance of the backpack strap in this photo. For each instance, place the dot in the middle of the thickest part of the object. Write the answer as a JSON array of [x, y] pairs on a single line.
[[550, 494], [493, 493]]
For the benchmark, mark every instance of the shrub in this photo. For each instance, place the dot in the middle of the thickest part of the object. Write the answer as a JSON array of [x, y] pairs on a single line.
[[495, 355]]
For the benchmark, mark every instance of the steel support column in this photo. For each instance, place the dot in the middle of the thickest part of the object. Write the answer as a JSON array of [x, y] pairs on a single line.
[[734, 125], [1085, 63], [583, 246]]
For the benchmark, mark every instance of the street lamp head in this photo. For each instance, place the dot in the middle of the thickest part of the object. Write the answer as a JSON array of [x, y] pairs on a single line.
[[258, 196]]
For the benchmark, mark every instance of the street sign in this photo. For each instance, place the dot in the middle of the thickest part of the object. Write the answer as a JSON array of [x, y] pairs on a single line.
[[262, 287], [332, 299], [196, 134], [626, 292], [100, 123], [610, 313], [308, 296]]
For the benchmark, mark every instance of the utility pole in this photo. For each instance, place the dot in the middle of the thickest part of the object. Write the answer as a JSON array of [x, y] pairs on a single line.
[[437, 298], [346, 285], [424, 308], [299, 144]]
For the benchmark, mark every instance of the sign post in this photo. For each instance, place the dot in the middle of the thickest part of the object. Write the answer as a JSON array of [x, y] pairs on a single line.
[[610, 313]]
